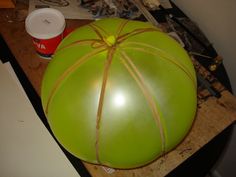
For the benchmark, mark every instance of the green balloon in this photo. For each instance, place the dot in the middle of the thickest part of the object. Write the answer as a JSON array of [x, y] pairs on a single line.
[[119, 93]]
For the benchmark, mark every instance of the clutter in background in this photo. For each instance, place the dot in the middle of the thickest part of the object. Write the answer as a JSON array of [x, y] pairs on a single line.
[[95, 9]]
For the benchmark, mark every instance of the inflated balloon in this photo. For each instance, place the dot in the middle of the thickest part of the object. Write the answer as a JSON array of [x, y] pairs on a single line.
[[119, 93]]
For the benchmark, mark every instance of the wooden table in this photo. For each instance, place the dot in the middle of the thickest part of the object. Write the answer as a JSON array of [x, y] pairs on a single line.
[[213, 115]]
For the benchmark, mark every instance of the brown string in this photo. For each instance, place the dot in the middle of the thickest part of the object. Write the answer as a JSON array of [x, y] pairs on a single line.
[[68, 71], [121, 27], [162, 56], [101, 46], [80, 42], [134, 33], [137, 76], [101, 29], [101, 99], [98, 44], [96, 31]]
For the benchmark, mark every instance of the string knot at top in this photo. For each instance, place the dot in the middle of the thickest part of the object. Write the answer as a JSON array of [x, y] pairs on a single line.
[[110, 40]]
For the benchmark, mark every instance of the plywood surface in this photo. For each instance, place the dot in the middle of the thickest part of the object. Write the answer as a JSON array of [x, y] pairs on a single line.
[[213, 115]]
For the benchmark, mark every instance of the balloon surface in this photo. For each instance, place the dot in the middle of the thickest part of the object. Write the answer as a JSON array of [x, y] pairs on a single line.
[[119, 93]]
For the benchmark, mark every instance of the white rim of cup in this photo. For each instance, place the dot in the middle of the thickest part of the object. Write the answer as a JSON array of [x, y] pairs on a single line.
[[31, 30]]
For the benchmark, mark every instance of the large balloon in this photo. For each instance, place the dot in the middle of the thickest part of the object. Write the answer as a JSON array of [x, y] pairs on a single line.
[[119, 93]]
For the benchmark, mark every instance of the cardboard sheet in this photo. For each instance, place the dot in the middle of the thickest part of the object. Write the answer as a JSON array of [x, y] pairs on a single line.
[[26, 147]]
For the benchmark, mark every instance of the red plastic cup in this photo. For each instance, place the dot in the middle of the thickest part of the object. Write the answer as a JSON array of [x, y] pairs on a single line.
[[46, 27]]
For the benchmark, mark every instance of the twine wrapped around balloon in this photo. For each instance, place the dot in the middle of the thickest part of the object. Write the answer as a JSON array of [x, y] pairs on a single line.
[[116, 46]]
